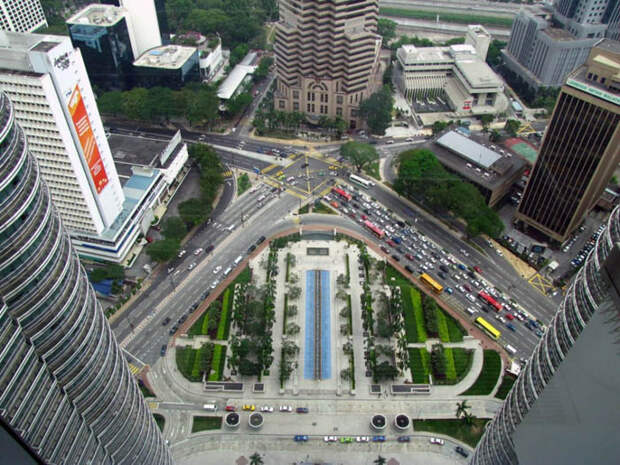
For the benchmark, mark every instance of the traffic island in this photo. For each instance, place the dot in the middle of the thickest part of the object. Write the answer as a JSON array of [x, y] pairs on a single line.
[[402, 422], [232, 420], [378, 422], [255, 421]]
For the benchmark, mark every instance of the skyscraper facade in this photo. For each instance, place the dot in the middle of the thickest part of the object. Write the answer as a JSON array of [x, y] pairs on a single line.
[[580, 149], [21, 15], [327, 57], [563, 407], [65, 388], [55, 105]]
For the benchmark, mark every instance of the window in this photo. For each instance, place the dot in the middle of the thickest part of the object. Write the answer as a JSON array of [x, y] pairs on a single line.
[[308, 108], [281, 104], [295, 94], [338, 111], [295, 106], [339, 99], [353, 112]]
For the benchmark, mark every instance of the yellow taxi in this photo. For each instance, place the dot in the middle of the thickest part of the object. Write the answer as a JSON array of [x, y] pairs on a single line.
[[249, 407]]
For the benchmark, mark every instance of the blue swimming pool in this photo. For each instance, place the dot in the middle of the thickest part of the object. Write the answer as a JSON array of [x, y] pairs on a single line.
[[317, 353], [309, 339], [326, 365]]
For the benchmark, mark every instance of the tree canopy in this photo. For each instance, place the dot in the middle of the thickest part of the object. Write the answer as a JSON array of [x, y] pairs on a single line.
[[174, 228], [377, 110], [164, 250], [386, 28], [359, 154], [421, 175]]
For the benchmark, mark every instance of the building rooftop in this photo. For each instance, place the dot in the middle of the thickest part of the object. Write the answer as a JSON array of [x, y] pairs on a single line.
[[410, 54], [558, 34], [478, 73], [609, 45], [166, 56], [467, 148], [234, 80], [98, 15], [127, 153]]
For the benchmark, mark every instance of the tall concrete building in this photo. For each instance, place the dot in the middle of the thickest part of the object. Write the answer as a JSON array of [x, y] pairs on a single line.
[[543, 49], [21, 15], [580, 149], [327, 57], [563, 408], [66, 392]]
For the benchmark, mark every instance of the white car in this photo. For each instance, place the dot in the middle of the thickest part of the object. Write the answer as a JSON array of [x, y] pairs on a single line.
[[266, 408], [437, 441], [198, 251], [330, 439], [191, 266], [286, 408], [499, 252], [362, 439], [217, 269], [181, 253], [214, 284]]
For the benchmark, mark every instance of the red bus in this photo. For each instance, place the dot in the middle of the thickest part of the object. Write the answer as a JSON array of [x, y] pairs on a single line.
[[489, 300], [378, 232], [342, 194]]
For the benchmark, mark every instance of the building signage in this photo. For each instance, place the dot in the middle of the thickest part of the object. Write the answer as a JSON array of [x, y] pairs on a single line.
[[600, 93], [87, 140]]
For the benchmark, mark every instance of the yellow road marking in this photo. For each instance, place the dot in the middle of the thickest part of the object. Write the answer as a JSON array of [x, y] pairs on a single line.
[[269, 168], [153, 405], [134, 369], [541, 283]]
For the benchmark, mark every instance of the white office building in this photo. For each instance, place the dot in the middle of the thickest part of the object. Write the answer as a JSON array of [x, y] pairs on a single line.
[[21, 15]]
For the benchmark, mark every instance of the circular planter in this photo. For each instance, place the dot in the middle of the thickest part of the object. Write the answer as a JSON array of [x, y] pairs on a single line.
[[402, 422], [378, 422], [232, 420], [255, 420]]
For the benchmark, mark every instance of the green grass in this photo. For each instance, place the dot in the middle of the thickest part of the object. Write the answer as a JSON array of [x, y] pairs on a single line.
[[393, 277], [322, 208], [350, 316], [505, 387], [462, 361], [222, 333], [243, 183], [450, 368], [204, 329], [419, 361], [217, 363], [447, 17], [412, 312], [243, 277], [160, 420], [442, 326], [416, 299], [206, 423], [196, 328], [285, 317], [469, 434], [487, 379], [146, 392], [455, 330], [185, 361], [305, 209], [372, 170]]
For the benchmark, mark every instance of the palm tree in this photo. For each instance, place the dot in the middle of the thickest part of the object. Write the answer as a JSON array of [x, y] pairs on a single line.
[[468, 418], [256, 459], [380, 461], [461, 408]]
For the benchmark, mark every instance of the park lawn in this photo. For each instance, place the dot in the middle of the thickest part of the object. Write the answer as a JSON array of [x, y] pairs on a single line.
[[442, 325], [487, 379], [372, 169], [393, 277], [322, 208], [305, 209], [447, 17], [206, 423], [416, 299], [455, 330], [222, 333], [462, 361], [450, 368], [196, 328], [185, 357], [505, 387], [419, 361], [217, 363], [243, 277], [160, 420], [411, 330], [458, 429]]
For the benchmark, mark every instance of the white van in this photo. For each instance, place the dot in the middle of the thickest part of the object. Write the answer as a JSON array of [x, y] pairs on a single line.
[[471, 310], [238, 260], [231, 228], [261, 198], [227, 271], [210, 407], [511, 350]]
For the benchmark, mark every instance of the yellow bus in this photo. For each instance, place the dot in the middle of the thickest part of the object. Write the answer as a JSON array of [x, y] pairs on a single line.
[[430, 282], [490, 330]]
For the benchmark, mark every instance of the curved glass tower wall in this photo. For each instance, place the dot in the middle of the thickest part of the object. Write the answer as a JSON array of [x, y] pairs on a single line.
[[562, 408], [65, 387]]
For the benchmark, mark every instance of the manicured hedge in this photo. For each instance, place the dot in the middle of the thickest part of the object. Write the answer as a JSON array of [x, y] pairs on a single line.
[[412, 313], [487, 379], [416, 299], [462, 361], [217, 363], [450, 368], [419, 361], [224, 325], [455, 329], [442, 326], [505, 387], [185, 360], [196, 328]]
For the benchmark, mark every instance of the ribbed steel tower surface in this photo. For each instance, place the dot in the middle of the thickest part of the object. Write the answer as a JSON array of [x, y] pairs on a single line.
[[65, 387], [587, 294]]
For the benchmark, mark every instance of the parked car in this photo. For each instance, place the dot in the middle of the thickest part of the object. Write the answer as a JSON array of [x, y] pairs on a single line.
[[249, 407], [477, 269], [230, 408], [302, 410], [378, 439], [438, 441], [266, 408], [300, 438], [403, 439], [286, 408], [461, 451]]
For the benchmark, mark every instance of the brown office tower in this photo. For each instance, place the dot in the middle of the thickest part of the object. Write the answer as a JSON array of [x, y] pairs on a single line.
[[327, 57], [580, 149]]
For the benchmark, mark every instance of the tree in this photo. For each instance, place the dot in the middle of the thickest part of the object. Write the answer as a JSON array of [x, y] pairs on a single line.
[[385, 370], [386, 28], [193, 211], [377, 110], [495, 136], [512, 126], [461, 408], [494, 54], [256, 459], [238, 104], [174, 228], [237, 54], [380, 460], [359, 154], [162, 251], [486, 120], [292, 329], [262, 71], [111, 103], [468, 418]]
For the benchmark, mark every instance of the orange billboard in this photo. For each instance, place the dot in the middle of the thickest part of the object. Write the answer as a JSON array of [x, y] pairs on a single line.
[[87, 140]]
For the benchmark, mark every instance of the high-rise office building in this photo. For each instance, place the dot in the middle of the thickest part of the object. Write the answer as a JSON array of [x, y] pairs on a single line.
[[580, 149], [148, 12], [563, 408], [21, 15], [66, 392], [543, 50], [54, 103], [327, 57]]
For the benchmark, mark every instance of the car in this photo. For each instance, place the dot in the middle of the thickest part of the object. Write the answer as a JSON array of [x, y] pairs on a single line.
[[214, 284], [510, 316], [163, 350], [330, 439], [249, 407], [461, 451], [266, 408], [198, 251], [461, 266], [230, 408], [362, 439], [170, 269], [181, 253], [511, 327], [217, 269], [409, 269], [165, 321], [449, 290], [260, 240], [378, 439], [438, 441], [467, 287], [538, 333], [209, 249], [396, 257], [286, 408], [477, 269], [302, 410], [251, 249], [385, 249], [191, 266], [499, 252], [300, 438], [404, 439]]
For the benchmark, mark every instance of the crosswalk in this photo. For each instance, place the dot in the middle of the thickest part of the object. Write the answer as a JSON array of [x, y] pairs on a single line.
[[153, 405], [134, 369], [227, 174]]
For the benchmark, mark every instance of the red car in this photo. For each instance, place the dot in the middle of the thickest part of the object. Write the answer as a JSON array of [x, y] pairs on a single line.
[[409, 257], [230, 408], [391, 243], [477, 269], [510, 316], [364, 217]]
